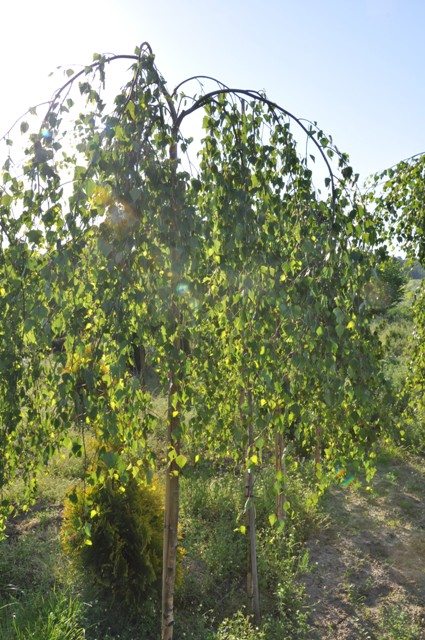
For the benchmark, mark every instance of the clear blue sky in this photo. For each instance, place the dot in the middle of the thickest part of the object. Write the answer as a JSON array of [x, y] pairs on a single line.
[[355, 66]]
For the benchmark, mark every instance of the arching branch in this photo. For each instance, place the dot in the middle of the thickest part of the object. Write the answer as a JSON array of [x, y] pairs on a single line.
[[256, 95], [91, 67], [199, 78]]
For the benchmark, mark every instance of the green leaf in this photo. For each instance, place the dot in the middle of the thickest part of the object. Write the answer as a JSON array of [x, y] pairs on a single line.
[[35, 236], [110, 458], [181, 460], [339, 330], [241, 529], [73, 498], [131, 109], [104, 246]]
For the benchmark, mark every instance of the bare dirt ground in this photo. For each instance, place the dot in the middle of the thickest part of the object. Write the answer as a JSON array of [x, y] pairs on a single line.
[[368, 563]]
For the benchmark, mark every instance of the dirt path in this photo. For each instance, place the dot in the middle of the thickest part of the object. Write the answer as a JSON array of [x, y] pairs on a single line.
[[368, 576]]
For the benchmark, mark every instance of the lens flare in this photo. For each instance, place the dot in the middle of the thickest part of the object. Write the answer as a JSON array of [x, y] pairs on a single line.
[[182, 289], [340, 474], [121, 213], [348, 481]]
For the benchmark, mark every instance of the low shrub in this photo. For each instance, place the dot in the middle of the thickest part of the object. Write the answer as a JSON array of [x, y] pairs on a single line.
[[239, 627], [114, 533]]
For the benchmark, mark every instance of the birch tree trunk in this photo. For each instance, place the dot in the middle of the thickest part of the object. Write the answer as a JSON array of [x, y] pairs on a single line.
[[171, 518], [280, 467], [252, 574], [317, 451], [172, 485]]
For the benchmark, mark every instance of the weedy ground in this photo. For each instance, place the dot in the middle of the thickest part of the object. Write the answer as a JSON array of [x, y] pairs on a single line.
[[367, 576], [350, 568]]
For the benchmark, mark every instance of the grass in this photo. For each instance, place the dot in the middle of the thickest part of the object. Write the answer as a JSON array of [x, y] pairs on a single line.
[[397, 624], [55, 616], [216, 551], [370, 557], [43, 596]]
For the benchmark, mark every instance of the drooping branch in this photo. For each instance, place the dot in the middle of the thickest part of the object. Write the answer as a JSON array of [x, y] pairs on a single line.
[[256, 95], [91, 67], [102, 61], [397, 194], [177, 118]]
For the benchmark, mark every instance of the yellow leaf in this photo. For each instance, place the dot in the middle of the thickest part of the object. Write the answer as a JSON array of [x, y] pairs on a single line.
[[241, 529], [181, 461]]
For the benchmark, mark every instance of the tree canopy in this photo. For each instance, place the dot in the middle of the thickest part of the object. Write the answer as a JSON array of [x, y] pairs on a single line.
[[244, 283]]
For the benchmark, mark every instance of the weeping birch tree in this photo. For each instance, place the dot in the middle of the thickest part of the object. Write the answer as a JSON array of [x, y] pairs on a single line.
[[398, 196], [242, 281]]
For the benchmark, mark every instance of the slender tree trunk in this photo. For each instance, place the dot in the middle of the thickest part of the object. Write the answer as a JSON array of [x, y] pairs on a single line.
[[252, 574], [317, 450], [171, 517], [280, 466], [172, 486]]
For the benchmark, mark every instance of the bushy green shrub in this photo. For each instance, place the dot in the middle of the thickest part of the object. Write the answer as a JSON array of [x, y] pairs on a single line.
[[239, 627], [114, 533]]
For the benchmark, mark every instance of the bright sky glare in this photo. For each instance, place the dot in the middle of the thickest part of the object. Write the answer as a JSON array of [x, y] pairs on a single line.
[[354, 66]]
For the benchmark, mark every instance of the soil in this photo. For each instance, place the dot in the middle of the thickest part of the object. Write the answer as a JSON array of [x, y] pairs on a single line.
[[368, 561]]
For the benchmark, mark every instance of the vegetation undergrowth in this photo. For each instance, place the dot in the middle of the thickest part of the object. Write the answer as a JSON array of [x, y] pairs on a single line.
[[42, 595], [212, 602]]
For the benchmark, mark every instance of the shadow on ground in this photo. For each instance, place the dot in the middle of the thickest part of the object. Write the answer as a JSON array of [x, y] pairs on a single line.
[[371, 555]]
